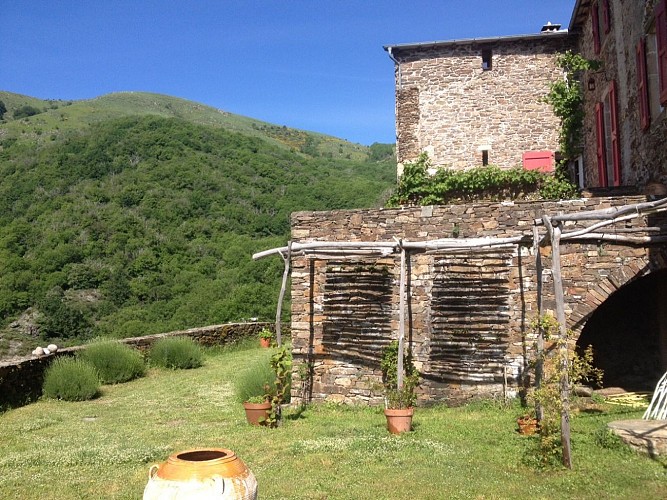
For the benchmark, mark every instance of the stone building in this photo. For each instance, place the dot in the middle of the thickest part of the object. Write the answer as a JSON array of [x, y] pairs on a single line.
[[625, 128], [469, 314], [478, 101]]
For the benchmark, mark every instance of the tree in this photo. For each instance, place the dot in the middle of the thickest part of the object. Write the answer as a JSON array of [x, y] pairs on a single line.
[[3, 109], [25, 111]]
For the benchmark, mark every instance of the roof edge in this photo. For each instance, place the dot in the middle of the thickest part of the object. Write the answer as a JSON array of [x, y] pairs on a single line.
[[470, 41]]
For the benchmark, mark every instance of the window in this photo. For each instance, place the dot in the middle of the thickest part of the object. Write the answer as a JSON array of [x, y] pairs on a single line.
[[608, 144], [595, 25], [661, 47], [487, 55], [485, 157], [642, 85], [606, 16], [651, 56], [600, 23]]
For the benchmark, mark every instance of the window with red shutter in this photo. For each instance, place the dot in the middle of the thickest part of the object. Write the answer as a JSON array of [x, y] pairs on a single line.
[[601, 150], [595, 24], [606, 16], [615, 143], [642, 85], [661, 42]]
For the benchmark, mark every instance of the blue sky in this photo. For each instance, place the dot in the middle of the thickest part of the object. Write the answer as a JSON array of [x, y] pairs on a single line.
[[311, 64]]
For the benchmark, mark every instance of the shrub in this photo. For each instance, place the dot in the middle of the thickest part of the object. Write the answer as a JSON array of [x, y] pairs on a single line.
[[71, 379], [176, 353], [25, 111], [115, 362], [257, 381], [417, 187]]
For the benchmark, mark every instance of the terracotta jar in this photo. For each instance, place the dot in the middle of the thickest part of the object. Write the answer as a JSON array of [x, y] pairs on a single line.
[[255, 413], [399, 420], [265, 342], [201, 474]]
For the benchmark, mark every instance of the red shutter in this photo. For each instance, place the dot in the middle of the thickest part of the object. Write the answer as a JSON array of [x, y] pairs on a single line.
[[599, 129], [642, 85], [615, 143], [542, 161], [606, 17], [595, 23], [661, 38]]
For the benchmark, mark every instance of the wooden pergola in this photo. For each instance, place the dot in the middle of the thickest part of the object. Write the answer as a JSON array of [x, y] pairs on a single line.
[[598, 227]]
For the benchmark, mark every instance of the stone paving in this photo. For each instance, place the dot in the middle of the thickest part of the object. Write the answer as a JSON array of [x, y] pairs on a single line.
[[645, 436]]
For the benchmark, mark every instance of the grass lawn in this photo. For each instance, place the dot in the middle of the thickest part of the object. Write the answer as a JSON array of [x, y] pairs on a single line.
[[104, 448]]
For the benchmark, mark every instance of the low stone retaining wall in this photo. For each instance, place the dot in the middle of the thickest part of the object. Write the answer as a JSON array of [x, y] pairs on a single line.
[[21, 381]]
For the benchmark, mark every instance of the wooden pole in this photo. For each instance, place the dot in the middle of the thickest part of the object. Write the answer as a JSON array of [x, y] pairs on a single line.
[[554, 232], [279, 309], [539, 364], [401, 322]]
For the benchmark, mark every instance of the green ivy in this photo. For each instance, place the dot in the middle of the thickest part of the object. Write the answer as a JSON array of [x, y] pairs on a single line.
[[566, 98], [417, 187]]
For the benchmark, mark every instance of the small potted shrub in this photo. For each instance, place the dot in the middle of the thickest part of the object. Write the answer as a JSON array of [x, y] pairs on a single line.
[[253, 388], [264, 386], [399, 401], [265, 337], [528, 424]]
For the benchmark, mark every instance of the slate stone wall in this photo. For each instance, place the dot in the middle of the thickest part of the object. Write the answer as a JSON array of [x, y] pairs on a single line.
[[448, 106], [643, 152], [469, 314]]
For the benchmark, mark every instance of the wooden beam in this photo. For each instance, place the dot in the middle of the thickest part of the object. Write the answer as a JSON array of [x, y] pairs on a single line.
[[281, 296], [401, 320], [555, 231], [539, 365]]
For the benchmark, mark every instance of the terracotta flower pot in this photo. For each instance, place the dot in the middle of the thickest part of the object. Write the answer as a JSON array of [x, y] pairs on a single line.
[[203, 473], [527, 425], [399, 420], [256, 413], [265, 342]]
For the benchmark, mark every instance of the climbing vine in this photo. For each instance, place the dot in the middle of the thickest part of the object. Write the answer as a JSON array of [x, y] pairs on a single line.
[[567, 100], [547, 394], [281, 363], [417, 187]]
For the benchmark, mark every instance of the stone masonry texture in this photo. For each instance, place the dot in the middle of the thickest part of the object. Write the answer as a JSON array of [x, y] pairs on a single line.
[[449, 107], [469, 314], [643, 152]]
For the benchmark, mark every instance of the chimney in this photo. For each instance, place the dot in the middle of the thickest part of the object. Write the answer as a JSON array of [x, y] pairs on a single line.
[[548, 28]]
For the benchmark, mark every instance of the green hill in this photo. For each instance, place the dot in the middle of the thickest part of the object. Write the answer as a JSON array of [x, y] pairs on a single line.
[[137, 213]]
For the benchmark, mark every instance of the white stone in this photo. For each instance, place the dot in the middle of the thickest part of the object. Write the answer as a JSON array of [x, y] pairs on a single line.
[[38, 351], [52, 347]]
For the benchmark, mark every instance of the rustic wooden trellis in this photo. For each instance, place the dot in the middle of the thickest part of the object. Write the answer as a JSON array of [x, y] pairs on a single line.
[[597, 231]]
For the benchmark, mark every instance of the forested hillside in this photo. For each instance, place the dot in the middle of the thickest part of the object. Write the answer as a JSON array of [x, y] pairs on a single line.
[[132, 216]]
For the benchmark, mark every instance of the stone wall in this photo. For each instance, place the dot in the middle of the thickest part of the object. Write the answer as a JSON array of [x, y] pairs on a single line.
[[448, 106], [643, 152], [21, 381], [469, 314]]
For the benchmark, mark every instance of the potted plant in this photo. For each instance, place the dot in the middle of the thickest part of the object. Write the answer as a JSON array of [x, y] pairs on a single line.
[[257, 409], [265, 337], [528, 424], [253, 388], [264, 386], [399, 401]]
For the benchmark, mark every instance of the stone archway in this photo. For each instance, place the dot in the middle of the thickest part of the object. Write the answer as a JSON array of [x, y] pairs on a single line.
[[628, 332], [608, 280]]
